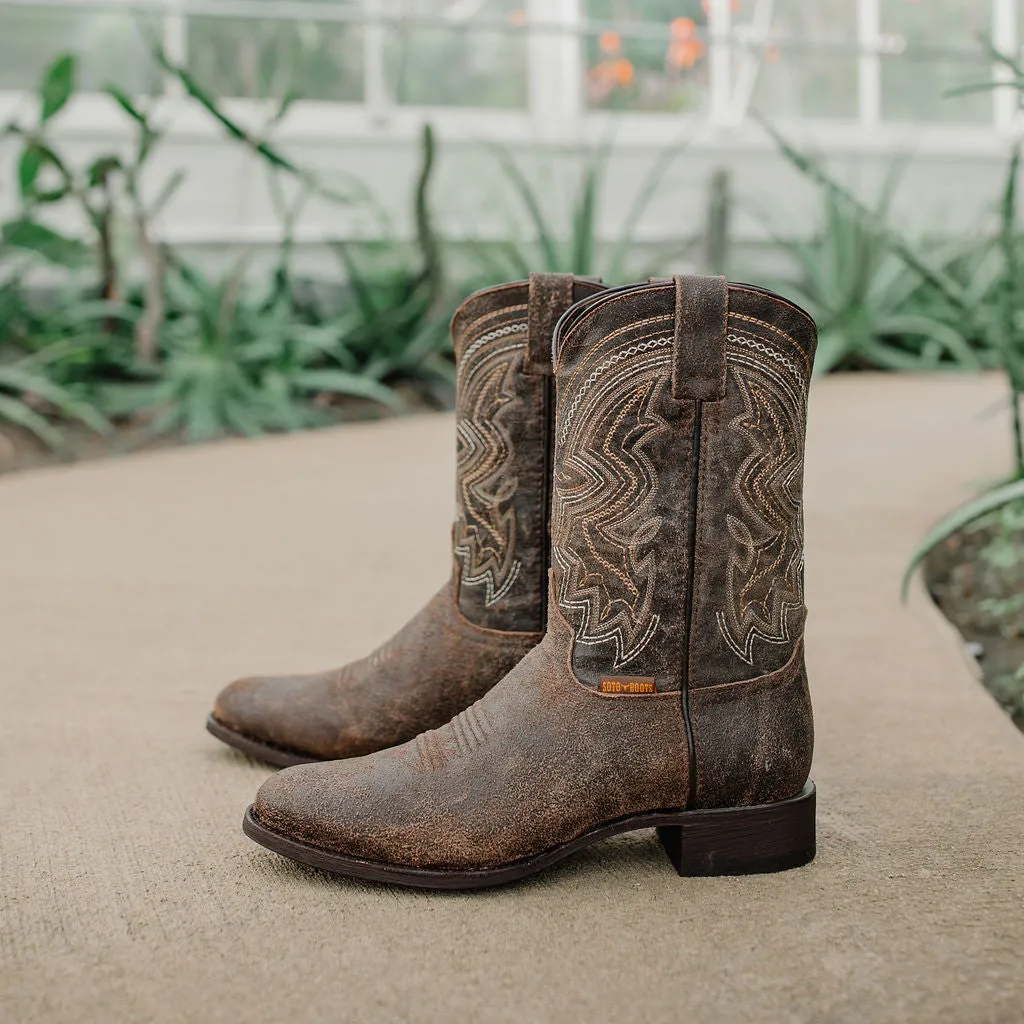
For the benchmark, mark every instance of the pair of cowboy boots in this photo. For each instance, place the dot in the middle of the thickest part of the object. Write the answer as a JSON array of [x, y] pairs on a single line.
[[643, 669]]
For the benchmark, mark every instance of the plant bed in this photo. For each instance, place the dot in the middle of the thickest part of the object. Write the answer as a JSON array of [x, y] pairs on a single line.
[[976, 577], [21, 450]]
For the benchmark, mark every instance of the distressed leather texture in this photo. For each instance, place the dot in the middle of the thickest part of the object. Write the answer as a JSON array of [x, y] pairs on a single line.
[[748, 592], [492, 611], [502, 414], [626, 507], [536, 762], [429, 671], [545, 756], [754, 738], [622, 480]]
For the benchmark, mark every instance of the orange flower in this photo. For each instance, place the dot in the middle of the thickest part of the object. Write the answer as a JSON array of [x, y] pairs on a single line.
[[517, 17], [685, 53], [610, 43], [683, 28], [624, 72]]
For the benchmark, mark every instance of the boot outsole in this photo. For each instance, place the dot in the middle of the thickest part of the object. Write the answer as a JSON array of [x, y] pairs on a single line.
[[257, 749], [728, 841]]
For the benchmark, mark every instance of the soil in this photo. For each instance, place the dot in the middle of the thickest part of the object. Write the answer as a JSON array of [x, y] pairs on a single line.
[[20, 450], [977, 580]]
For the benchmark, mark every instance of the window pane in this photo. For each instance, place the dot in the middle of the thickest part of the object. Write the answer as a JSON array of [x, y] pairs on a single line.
[[809, 63], [264, 59], [445, 59], [647, 55], [942, 52], [109, 46]]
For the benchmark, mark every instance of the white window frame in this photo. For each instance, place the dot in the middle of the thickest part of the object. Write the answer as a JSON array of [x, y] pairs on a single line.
[[556, 116], [556, 111]]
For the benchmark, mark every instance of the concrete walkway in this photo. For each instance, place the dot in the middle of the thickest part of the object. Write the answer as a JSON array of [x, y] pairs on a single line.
[[132, 590]]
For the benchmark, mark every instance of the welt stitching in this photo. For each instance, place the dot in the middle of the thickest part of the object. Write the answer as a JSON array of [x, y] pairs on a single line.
[[778, 331], [485, 319], [625, 297], [778, 300]]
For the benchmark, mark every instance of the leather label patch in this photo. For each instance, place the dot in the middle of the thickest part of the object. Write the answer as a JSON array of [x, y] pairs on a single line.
[[628, 684]]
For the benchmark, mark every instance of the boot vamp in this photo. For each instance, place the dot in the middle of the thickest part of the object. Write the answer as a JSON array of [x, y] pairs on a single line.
[[537, 762], [435, 666]]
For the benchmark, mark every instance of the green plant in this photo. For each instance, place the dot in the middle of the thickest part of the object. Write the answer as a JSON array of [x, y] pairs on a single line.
[[576, 247], [180, 350], [239, 358], [237, 362], [990, 304], [1008, 689], [106, 192], [29, 398], [871, 308], [31, 394]]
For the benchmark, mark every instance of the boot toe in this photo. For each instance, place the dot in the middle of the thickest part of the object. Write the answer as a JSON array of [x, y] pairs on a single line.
[[287, 802], [242, 706], [281, 712], [353, 808]]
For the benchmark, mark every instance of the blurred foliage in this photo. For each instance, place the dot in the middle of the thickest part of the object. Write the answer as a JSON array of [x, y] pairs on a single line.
[[439, 55], [466, 55], [977, 578], [961, 310], [567, 229], [178, 350], [873, 310], [134, 333], [267, 59]]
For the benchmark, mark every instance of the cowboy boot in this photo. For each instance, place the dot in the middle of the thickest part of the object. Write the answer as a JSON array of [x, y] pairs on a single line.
[[492, 610], [670, 688]]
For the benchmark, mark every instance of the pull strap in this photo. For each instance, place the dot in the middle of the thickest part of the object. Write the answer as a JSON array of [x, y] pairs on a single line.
[[550, 296], [702, 311]]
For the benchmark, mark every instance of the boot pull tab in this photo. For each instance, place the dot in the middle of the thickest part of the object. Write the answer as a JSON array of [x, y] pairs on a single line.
[[698, 351], [550, 296]]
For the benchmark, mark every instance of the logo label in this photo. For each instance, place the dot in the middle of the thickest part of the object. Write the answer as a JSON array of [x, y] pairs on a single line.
[[627, 684]]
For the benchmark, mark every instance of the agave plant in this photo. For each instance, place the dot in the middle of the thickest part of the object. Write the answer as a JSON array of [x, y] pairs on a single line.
[[990, 304], [576, 247], [31, 394], [872, 309], [238, 362]]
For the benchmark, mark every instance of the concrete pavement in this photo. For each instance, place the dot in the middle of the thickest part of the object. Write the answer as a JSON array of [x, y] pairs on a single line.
[[133, 589]]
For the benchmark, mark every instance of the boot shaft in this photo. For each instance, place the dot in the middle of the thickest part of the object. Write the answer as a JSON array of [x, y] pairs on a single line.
[[504, 406], [677, 520]]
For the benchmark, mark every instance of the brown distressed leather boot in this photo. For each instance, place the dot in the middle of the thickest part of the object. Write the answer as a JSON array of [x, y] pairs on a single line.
[[493, 609], [670, 689]]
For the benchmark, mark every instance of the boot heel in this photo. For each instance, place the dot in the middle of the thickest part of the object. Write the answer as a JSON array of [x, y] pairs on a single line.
[[743, 840]]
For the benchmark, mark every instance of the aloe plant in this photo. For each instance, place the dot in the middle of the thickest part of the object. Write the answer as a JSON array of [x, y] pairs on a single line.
[[871, 308], [993, 313], [196, 355], [576, 247]]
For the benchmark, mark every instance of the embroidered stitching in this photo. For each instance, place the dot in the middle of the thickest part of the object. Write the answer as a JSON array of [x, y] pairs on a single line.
[[604, 522], [485, 517], [432, 751], [760, 346], [643, 346], [500, 332], [764, 569]]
